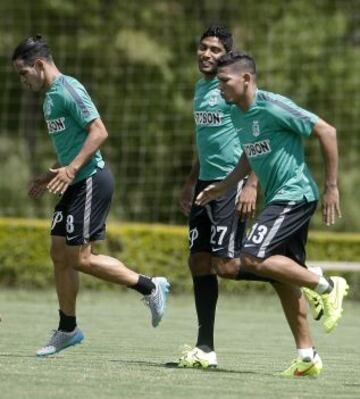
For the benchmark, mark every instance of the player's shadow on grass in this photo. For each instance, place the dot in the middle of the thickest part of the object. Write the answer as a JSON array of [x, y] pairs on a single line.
[[16, 355], [208, 370], [173, 365]]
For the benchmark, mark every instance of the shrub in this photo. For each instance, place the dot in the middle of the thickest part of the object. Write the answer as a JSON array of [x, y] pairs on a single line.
[[148, 249]]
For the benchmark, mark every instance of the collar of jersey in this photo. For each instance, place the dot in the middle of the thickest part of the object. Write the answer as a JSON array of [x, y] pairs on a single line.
[[254, 101], [54, 82]]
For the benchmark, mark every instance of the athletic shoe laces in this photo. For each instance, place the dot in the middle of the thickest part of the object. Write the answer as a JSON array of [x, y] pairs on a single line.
[[153, 300], [58, 338]]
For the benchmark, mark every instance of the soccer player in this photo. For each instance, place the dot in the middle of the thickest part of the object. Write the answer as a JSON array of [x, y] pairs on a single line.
[[216, 230], [271, 130], [85, 186]]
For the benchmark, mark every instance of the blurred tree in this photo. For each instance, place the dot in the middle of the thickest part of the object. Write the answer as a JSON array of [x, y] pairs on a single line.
[[138, 60]]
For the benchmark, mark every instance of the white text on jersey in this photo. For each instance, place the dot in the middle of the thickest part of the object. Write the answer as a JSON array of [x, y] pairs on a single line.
[[259, 148], [203, 118], [56, 125]]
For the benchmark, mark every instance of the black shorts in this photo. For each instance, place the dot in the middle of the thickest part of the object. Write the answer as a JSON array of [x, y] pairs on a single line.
[[281, 229], [216, 227], [81, 213]]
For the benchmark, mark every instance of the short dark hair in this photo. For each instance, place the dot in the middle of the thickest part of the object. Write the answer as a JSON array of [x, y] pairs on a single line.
[[243, 60], [222, 33], [31, 49]]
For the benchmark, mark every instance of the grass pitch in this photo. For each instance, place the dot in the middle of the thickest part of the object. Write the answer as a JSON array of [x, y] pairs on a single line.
[[124, 357]]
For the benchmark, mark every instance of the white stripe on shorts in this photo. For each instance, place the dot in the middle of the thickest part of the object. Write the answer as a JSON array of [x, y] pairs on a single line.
[[275, 228], [87, 210], [209, 213], [239, 189]]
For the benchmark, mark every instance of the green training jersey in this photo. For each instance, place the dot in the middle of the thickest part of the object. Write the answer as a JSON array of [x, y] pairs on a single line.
[[271, 133], [68, 109], [218, 145]]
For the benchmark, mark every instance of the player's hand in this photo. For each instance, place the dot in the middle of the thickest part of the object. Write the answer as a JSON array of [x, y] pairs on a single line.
[[210, 193], [61, 181], [330, 205], [37, 185], [186, 197], [246, 204]]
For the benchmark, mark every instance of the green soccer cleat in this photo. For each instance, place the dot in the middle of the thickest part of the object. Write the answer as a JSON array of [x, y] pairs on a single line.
[[333, 303], [197, 358], [302, 368], [315, 302]]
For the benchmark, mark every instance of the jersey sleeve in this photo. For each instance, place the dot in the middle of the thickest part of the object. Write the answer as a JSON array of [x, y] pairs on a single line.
[[291, 116], [79, 104]]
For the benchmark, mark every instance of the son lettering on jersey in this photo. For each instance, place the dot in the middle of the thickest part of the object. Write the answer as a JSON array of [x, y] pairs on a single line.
[[203, 118], [259, 148], [56, 125]]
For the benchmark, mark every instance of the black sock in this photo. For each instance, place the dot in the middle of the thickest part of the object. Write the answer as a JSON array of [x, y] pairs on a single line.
[[67, 323], [144, 285], [206, 295]]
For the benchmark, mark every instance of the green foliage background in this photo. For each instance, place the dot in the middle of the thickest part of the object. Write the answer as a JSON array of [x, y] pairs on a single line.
[[149, 249], [138, 61]]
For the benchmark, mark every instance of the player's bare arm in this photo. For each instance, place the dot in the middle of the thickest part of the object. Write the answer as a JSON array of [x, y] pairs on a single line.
[[64, 176], [216, 190], [246, 204], [326, 134], [187, 191]]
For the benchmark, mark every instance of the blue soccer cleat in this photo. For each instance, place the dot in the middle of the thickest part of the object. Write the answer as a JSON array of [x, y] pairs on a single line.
[[60, 340], [157, 299]]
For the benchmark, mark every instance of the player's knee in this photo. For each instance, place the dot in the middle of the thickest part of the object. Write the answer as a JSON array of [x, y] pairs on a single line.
[[79, 261], [251, 262], [82, 262], [226, 267], [58, 258]]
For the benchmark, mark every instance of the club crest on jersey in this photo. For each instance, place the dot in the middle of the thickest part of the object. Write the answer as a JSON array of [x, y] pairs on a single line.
[[56, 125], [256, 149], [255, 128], [193, 235], [213, 100], [48, 104]]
